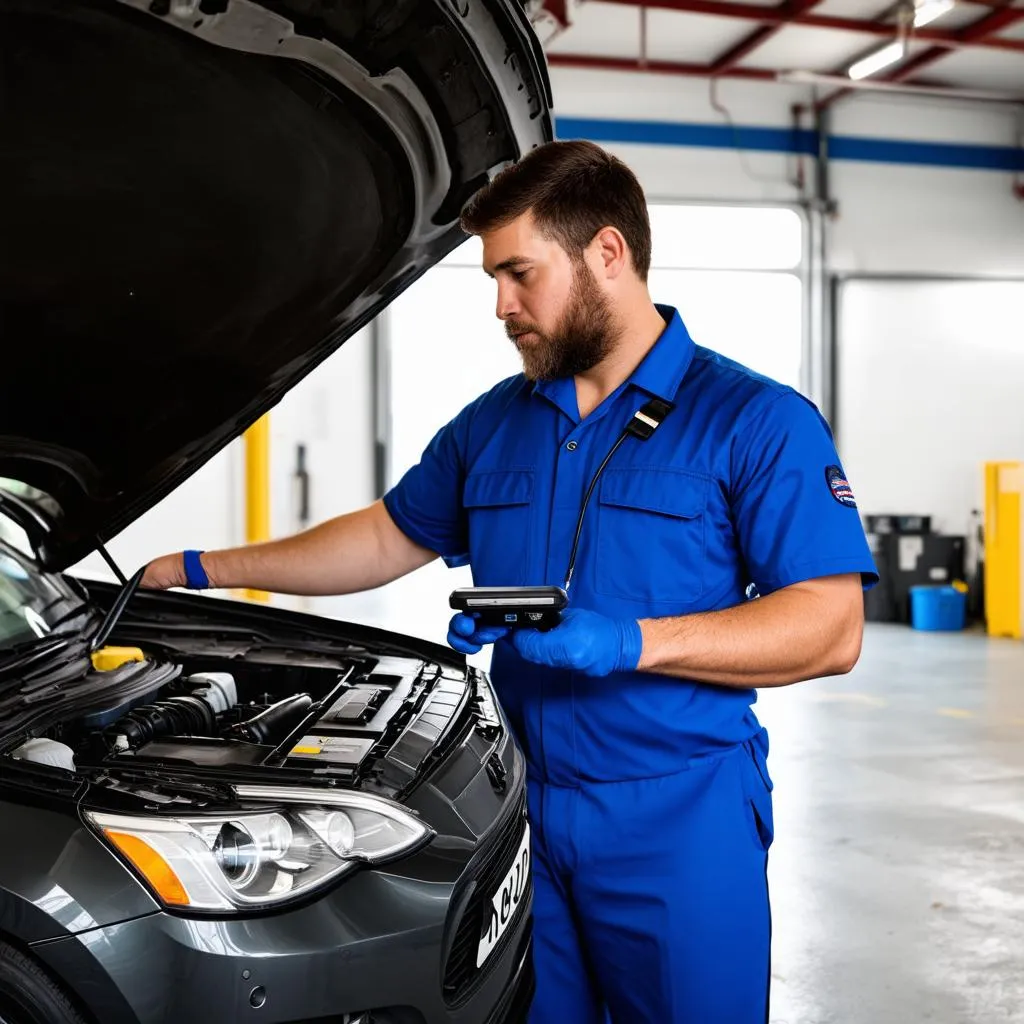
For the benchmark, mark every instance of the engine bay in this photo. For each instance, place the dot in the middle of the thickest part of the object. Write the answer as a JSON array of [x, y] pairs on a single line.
[[361, 720]]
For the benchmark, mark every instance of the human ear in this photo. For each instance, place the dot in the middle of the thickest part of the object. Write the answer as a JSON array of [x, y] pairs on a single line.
[[611, 252]]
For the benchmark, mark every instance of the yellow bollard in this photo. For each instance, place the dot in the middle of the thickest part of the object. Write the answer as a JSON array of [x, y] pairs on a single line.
[[257, 490]]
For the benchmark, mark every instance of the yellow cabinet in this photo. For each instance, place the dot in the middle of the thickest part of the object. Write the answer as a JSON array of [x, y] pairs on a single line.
[[1004, 526]]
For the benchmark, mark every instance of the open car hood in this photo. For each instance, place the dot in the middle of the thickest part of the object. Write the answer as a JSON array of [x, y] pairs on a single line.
[[204, 199]]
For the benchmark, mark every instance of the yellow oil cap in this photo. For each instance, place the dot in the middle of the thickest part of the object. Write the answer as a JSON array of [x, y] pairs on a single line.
[[108, 658]]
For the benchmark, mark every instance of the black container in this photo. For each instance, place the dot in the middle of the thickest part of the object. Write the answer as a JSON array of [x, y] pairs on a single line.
[[880, 601], [906, 560], [890, 523]]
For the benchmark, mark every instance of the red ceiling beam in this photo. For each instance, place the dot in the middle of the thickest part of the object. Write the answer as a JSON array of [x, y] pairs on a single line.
[[776, 16], [992, 22], [559, 10], [971, 34], [787, 11]]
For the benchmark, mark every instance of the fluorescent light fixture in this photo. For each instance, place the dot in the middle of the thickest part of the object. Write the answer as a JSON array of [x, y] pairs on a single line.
[[874, 62], [927, 12]]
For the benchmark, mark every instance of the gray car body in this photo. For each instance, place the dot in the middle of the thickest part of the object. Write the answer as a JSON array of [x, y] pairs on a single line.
[[376, 940]]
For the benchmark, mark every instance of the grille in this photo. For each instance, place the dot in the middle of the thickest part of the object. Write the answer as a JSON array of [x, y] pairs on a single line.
[[515, 1003], [461, 975]]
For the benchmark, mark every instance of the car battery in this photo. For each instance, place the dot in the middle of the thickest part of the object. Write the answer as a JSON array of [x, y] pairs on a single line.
[[346, 731], [343, 751]]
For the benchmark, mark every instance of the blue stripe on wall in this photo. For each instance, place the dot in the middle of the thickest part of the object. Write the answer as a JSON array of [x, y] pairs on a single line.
[[934, 154], [792, 140], [714, 136]]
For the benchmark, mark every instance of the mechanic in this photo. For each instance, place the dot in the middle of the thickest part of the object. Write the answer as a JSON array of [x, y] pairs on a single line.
[[721, 554]]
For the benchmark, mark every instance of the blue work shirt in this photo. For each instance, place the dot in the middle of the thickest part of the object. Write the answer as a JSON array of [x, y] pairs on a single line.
[[740, 485]]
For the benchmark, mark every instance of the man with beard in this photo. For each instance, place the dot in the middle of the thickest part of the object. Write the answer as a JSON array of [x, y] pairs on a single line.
[[648, 788]]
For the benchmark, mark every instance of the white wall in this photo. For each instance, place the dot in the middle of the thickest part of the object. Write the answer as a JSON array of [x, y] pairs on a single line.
[[956, 350], [936, 220], [673, 172]]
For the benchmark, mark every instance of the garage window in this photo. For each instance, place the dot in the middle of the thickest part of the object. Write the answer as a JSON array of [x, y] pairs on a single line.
[[735, 275]]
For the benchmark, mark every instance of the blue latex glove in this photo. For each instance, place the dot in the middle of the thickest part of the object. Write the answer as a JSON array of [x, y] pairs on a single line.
[[465, 634], [585, 642]]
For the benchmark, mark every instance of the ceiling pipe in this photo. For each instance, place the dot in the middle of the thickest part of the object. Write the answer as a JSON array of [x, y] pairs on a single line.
[[660, 67], [881, 85], [643, 37]]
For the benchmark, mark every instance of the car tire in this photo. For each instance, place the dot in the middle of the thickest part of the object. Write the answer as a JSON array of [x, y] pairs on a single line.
[[28, 995]]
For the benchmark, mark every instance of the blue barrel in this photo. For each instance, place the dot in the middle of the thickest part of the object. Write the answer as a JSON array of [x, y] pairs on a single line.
[[937, 608]]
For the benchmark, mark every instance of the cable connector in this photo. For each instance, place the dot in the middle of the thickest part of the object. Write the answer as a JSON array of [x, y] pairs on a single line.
[[646, 421]]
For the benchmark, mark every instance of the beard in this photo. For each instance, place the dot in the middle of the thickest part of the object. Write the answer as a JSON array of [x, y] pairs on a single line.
[[582, 337]]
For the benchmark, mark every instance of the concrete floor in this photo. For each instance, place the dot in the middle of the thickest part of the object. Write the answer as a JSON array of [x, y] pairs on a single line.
[[898, 868]]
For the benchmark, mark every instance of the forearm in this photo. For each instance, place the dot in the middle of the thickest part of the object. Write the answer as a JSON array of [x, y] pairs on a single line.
[[354, 552], [800, 632]]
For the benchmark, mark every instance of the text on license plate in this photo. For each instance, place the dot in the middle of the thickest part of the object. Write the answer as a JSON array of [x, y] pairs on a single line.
[[506, 900]]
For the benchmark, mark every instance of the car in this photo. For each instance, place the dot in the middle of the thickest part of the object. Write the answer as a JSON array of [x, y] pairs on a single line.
[[220, 811]]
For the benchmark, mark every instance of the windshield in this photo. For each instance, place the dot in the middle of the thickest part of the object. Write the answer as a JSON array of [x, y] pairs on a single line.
[[32, 604]]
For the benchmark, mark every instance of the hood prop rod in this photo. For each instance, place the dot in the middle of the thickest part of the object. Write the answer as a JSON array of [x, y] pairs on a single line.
[[114, 567]]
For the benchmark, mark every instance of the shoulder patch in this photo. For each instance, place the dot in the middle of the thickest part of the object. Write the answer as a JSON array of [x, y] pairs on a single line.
[[839, 486]]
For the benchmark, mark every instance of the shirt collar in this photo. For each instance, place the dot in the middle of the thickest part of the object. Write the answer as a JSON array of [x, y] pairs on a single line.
[[659, 374], [663, 368]]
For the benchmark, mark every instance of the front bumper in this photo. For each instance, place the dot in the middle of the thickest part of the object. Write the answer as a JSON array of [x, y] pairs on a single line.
[[163, 973]]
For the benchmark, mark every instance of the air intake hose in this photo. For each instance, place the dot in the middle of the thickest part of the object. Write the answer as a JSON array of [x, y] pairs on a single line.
[[274, 723], [178, 716]]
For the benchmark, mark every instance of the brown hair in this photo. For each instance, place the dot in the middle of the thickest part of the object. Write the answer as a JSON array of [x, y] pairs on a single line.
[[573, 189]]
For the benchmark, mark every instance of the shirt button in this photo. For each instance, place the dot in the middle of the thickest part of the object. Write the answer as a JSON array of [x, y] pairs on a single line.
[[572, 446]]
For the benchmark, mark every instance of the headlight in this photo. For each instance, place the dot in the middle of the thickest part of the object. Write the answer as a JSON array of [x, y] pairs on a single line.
[[262, 857]]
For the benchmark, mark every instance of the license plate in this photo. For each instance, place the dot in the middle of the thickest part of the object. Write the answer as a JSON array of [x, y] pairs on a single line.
[[506, 900]]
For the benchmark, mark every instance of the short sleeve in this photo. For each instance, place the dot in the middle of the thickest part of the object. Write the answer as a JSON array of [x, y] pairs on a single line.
[[794, 509], [426, 504]]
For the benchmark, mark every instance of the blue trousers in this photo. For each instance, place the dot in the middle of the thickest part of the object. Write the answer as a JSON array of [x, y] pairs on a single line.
[[651, 897]]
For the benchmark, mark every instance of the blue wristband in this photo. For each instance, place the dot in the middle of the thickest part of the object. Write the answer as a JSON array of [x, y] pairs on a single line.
[[195, 574]]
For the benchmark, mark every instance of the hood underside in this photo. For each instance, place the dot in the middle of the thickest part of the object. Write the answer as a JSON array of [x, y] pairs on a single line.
[[205, 199]]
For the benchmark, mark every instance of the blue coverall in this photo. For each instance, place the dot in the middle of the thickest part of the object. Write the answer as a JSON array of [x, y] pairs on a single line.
[[649, 796]]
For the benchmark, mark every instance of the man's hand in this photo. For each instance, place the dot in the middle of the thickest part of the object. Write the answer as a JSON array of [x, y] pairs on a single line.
[[465, 634], [585, 642], [165, 572]]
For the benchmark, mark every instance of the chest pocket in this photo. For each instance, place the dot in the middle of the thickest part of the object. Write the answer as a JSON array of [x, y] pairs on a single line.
[[651, 535], [498, 506]]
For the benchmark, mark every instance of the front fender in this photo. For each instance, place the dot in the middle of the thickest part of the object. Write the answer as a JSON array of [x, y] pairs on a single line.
[[57, 878]]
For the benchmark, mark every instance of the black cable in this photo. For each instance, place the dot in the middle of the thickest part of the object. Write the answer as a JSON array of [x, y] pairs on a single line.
[[642, 424], [583, 508]]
